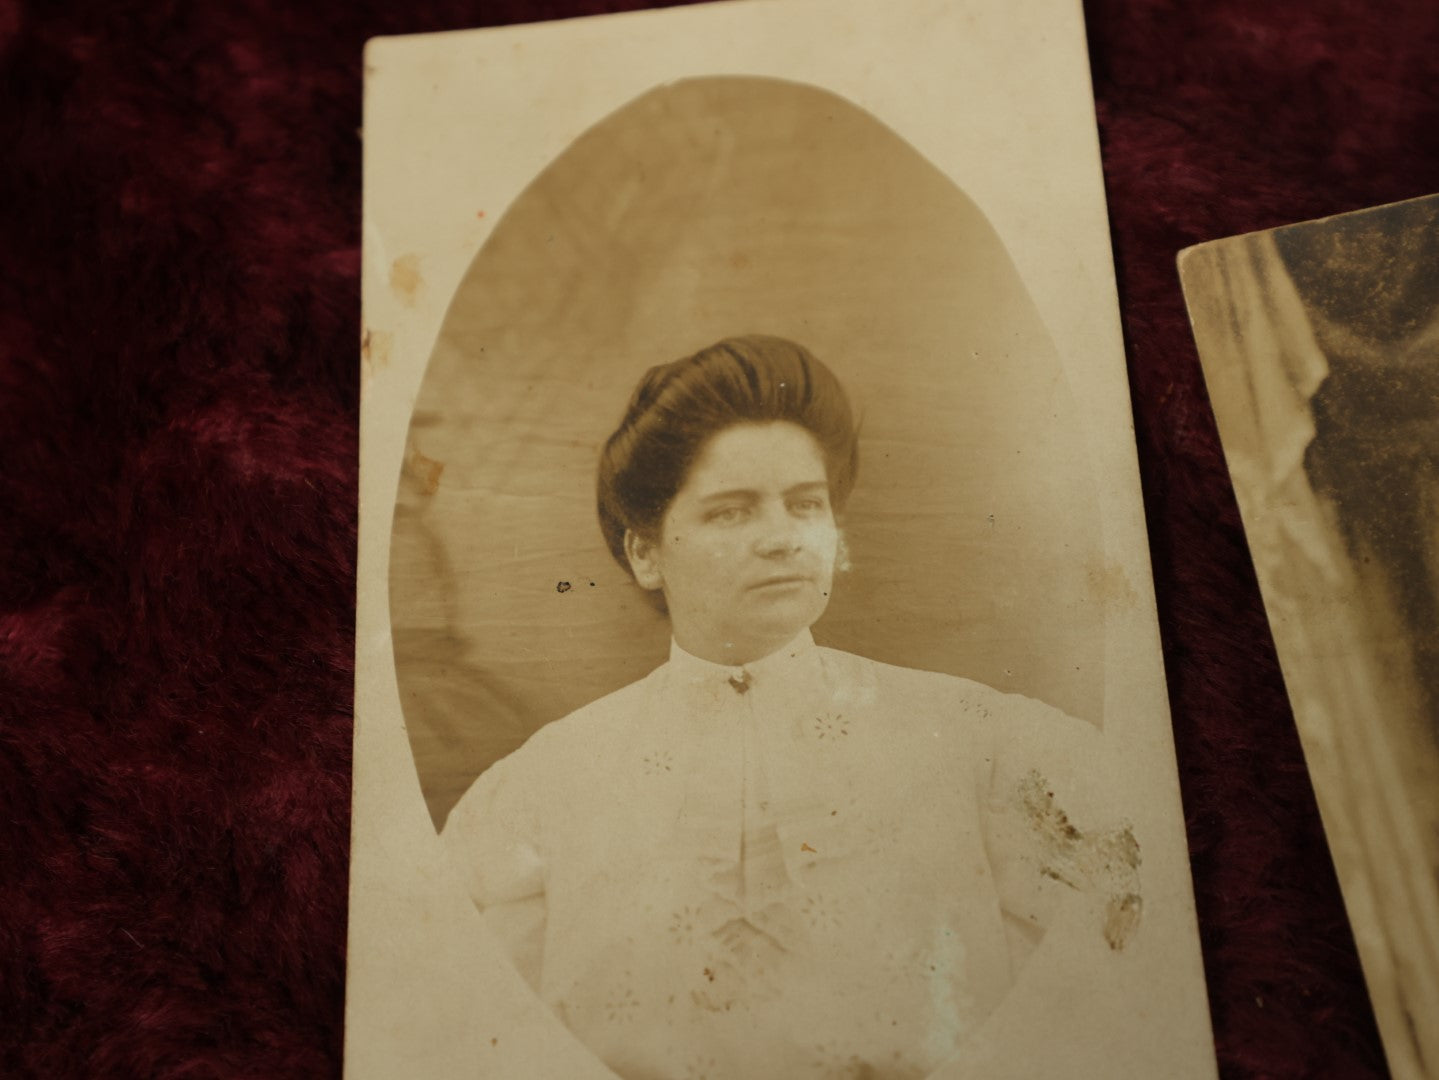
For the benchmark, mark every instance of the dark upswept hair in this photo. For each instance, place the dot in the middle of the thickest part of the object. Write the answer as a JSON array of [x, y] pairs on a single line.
[[678, 407]]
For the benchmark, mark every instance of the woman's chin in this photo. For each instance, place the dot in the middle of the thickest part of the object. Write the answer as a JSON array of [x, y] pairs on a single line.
[[768, 619], [782, 623]]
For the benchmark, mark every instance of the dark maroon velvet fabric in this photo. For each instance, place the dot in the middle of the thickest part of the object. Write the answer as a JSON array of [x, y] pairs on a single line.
[[179, 329]]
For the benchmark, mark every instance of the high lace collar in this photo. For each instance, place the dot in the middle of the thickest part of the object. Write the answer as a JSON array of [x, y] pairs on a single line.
[[784, 662]]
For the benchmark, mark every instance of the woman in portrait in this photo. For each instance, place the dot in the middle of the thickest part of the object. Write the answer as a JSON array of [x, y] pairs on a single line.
[[768, 858]]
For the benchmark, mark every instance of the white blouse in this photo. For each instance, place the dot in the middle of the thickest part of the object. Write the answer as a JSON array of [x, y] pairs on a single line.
[[813, 866]]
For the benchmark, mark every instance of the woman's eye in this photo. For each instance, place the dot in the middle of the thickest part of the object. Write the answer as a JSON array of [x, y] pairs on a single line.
[[726, 514], [807, 505]]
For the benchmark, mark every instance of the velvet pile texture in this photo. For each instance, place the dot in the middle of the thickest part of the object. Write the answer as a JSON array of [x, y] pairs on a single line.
[[179, 380]]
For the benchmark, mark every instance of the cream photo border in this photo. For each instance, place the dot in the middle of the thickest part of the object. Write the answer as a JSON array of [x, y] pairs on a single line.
[[996, 95]]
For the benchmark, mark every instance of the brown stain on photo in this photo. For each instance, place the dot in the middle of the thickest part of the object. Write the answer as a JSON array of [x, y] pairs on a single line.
[[406, 279], [375, 349], [1121, 919], [424, 469], [1110, 585], [1096, 862]]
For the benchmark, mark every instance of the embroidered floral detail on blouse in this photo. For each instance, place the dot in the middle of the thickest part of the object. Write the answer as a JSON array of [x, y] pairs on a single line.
[[901, 1069], [658, 761], [701, 1068], [621, 1004], [881, 833], [683, 925], [974, 708], [741, 965], [897, 967], [832, 1063], [832, 726], [715, 986], [821, 912]]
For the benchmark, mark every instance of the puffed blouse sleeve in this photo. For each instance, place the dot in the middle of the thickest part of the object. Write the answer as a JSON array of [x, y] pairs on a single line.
[[493, 836], [1060, 840], [1056, 832]]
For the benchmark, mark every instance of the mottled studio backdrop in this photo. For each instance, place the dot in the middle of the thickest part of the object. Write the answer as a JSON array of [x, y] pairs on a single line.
[[179, 338], [973, 531]]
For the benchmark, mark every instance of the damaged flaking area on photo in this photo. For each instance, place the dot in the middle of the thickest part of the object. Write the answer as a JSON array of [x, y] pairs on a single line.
[[406, 279], [1109, 584], [424, 469], [1101, 862], [375, 348]]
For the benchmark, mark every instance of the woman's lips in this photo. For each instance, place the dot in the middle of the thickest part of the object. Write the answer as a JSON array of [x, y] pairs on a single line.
[[781, 582]]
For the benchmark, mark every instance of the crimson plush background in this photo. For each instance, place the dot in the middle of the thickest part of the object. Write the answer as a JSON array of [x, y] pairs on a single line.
[[179, 331]]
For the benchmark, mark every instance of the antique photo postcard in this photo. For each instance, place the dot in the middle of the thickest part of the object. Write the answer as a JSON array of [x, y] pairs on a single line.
[[1320, 347], [757, 666]]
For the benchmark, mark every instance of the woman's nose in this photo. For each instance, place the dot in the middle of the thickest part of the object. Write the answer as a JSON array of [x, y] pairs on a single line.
[[779, 535]]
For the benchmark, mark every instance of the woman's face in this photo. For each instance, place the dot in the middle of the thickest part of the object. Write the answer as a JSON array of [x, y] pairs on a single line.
[[747, 548]]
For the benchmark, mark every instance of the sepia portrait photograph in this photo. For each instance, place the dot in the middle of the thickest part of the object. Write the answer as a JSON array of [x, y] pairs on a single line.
[[1320, 344], [757, 672]]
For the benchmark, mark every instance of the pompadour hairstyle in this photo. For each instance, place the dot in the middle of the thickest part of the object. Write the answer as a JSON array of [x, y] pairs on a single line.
[[678, 407]]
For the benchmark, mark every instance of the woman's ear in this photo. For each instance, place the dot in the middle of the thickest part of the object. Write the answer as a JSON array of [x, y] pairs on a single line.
[[842, 562], [644, 564]]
